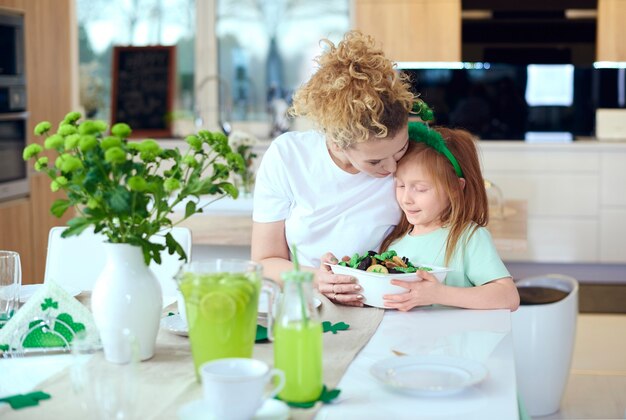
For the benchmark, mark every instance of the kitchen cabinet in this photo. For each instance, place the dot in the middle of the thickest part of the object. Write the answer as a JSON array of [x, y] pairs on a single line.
[[575, 194], [413, 30], [52, 87], [611, 30]]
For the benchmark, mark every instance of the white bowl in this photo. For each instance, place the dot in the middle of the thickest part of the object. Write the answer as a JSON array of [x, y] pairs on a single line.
[[376, 285]]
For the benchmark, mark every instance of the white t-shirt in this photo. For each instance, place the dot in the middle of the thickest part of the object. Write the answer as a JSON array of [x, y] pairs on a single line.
[[324, 208]]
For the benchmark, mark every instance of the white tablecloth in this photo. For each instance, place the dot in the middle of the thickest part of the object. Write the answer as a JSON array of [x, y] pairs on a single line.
[[484, 336]]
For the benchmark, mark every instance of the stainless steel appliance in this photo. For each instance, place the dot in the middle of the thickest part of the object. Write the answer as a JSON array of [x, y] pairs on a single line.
[[13, 114]]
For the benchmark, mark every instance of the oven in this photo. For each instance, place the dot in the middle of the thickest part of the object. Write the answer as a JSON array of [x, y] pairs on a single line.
[[13, 169], [13, 114]]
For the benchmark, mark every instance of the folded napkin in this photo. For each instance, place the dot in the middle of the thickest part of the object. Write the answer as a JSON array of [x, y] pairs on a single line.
[[50, 318]]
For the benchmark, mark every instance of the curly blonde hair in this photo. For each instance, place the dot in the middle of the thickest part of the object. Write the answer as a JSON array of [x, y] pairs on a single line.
[[356, 93]]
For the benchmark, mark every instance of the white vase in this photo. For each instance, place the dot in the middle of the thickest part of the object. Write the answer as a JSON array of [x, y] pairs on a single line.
[[126, 301]]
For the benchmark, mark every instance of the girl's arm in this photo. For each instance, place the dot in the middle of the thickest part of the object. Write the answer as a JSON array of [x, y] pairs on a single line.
[[497, 294]]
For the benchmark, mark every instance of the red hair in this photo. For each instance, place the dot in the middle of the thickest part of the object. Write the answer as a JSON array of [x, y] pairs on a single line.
[[467, 205]]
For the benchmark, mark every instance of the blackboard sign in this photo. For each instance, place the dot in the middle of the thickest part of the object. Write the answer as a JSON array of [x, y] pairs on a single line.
[[142, 91]]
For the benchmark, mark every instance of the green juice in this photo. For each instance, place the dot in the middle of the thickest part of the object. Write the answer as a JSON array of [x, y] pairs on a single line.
[[298, 353], [221, 314]]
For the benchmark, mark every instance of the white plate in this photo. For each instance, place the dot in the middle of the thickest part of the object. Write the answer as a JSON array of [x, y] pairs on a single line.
[[428, 375], [27, 290], [270, 410], [175, 325]]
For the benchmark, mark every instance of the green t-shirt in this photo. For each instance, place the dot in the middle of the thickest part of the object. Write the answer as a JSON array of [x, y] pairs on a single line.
[[473, 264]]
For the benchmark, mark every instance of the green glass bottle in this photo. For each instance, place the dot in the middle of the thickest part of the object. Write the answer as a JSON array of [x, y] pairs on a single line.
[[298, 339]]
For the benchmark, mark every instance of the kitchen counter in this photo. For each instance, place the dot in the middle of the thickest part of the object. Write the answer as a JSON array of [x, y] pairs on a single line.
[[229, 223]]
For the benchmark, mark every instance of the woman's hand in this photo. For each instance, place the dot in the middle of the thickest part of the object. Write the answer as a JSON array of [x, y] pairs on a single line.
[[338, 288], [419, 293]]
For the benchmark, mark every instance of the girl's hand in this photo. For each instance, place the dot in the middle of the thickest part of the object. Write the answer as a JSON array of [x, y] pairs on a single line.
[[338, 288], [419, 293]]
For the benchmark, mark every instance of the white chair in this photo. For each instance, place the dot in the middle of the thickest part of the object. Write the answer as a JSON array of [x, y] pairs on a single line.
[[76, 262], [543, 341]]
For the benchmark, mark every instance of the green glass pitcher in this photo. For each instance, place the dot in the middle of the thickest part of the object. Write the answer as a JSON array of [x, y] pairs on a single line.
[[221, 301]]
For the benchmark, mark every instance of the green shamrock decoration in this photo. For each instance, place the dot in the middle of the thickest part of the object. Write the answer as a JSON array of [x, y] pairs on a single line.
[[49, 303], [334, 328], [326, 397]]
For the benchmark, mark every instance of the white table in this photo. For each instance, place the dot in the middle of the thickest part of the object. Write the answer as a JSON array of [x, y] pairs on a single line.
[[484, 336], [480, 335]]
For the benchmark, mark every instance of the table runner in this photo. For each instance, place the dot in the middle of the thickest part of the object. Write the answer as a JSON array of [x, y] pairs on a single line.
[[167, 381]]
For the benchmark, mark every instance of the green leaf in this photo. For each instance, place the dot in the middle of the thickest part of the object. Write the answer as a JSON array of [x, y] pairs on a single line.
[[76, 226], [59, 207], [190, 208], [229, 189], [174, 247], [118, 200]]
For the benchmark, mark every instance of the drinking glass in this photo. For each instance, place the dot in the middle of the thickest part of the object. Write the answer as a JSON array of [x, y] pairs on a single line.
[[105, 390], [221, 300], [10, 283]]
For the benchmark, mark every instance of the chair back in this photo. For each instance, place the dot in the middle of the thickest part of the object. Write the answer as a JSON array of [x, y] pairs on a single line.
[[77, 261]]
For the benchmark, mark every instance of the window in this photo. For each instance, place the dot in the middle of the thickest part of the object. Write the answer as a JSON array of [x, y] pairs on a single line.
[[103, 24]]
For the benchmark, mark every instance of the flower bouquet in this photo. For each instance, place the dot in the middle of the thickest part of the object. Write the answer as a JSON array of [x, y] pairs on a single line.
[[127, 190]]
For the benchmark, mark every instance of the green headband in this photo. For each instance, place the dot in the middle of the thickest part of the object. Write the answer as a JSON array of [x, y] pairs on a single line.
[[420, 132]]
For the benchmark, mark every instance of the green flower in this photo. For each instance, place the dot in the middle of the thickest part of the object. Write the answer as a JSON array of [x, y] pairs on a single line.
[[55, 141], [194, 142], [72, 117], [31, 150], [91, 127], [42, 128], [72, 141], [111, 141], [121, 130], [235, 160], [190, 161], [41, 164], [171, 184], [71, 164], [115, 155], [149, 145], [137, 183], [66, 129], [92, 203], [87, 143], [101, 125], [126, 189]]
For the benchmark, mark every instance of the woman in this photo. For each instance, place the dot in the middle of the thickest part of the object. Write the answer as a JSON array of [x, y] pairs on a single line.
[[331, 189]]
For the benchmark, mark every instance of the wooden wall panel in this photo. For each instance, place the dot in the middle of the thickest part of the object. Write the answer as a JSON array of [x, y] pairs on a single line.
[[413, 30], [611, 30], [51, 83], [16, 228]]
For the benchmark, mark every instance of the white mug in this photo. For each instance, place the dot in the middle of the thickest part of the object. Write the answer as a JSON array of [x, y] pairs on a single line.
[[235, 388]]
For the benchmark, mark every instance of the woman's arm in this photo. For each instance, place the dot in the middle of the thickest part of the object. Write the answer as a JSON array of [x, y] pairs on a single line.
[[269, 248], [497, 294]]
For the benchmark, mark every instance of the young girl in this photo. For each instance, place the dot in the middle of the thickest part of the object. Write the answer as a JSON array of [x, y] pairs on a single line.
[[440, 189]]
